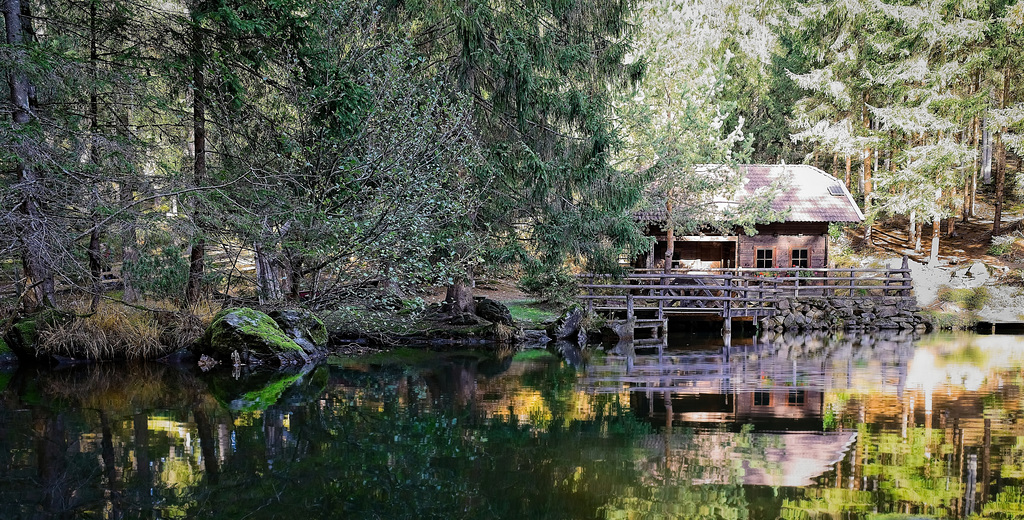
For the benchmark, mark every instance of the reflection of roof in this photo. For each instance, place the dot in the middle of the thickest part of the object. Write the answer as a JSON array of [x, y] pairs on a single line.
[[809, 194], [762, 459], [812, 195]]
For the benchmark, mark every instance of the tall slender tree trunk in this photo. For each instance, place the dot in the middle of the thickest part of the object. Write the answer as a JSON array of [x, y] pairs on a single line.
[[670, 239], [95, 266], [868, 188], [849, 169], [129, 243], [951, 225], [32, 229], [196, 264], [933, 256], [912, 232], [1001, 160], [95, 255]]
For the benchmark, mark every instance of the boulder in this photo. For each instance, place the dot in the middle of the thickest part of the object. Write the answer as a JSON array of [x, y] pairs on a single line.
[[22, 336], [7, 356], [303, 327], [494, 311], [533, 339], [621, 330], [247, 336], [466, 319], [567, 326]]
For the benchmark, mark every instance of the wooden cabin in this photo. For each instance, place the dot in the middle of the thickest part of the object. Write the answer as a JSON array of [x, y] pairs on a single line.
[[813, 198]]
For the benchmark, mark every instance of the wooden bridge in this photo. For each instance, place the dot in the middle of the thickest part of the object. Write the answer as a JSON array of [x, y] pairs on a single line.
[[650, 298]]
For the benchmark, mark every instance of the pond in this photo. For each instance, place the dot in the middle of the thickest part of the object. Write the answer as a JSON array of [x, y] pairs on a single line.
[[786, 427]]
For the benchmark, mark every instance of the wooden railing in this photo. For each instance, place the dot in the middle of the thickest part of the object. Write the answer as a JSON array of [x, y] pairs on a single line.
[[738, 291]]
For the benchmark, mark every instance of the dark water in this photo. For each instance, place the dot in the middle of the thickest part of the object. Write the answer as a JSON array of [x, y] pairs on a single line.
[[795, 428]]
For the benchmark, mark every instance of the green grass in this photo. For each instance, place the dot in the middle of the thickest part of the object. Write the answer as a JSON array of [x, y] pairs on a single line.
[[528, 355], [531, 312], [971, 299], [951, 320]]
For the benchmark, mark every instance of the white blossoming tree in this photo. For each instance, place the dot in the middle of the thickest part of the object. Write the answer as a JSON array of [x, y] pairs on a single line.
[[678, 119], [907, 86]]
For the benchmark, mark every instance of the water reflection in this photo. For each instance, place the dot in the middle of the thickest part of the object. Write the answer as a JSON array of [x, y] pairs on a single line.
[[769, 427]]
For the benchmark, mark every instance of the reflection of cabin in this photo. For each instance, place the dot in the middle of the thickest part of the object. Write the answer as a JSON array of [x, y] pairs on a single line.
[[767, 408], [813, 198]]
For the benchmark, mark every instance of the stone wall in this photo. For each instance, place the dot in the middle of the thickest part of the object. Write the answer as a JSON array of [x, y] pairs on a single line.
[[844, 313]]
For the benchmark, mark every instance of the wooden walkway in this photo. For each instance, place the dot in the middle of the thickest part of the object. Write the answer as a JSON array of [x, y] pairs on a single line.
[[651, 298]]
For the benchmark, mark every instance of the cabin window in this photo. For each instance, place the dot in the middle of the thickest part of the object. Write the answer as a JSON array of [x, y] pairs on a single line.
[[801, 258], [796, 397], [762, 398], [764, 259]]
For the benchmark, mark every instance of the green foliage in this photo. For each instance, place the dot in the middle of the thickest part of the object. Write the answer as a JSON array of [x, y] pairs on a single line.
[[540, 81], [557, 286], [951, 320], [1002, 245], [160, 274], [531, 312], [973, 299]]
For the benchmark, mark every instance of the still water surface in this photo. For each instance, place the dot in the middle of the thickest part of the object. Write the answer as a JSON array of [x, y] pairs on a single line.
[[791, 427]]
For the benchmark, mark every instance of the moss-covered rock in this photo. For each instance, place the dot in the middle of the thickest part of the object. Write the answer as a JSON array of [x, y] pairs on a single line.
[[7, 356], [260, 389], [494, 311], [253, 335], [23, 335], [303, 327]]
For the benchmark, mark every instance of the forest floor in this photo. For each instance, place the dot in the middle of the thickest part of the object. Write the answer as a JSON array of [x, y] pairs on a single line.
[[958, 263]]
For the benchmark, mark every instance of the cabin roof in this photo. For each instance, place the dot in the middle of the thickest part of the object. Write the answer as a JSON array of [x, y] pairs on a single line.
[[811, 195]]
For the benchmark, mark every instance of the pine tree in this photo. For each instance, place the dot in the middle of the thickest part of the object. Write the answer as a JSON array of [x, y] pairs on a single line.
[[540, 77]]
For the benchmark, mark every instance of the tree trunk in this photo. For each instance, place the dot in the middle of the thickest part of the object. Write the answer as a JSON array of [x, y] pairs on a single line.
[[868, 221], [951, 225], [295, 261], [459, 297], [129, 244], [95, 255], [1000, 185], [95, 267], [866, 175], [912, 232], [32, 230], [670, 238], [936, 231], [849, 168], [1001, 160], [196, 265], [268, 275], [868, 188]]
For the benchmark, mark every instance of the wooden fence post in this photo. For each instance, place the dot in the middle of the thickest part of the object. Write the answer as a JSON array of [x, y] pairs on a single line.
[[629, 306], [907, 279]]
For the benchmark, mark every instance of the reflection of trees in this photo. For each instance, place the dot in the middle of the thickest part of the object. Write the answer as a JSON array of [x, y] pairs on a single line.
[[692, 475], [86, 445], [365, 442]]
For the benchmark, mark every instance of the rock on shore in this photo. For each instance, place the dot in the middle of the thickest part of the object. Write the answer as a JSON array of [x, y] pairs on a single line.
[[875, 313]]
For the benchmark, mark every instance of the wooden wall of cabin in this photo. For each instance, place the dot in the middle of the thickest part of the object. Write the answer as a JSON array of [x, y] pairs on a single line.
[[782, 239], [714, 254]]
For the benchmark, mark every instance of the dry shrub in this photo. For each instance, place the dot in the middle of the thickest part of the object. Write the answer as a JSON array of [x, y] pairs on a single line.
[[108, 333], [181, 329]]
